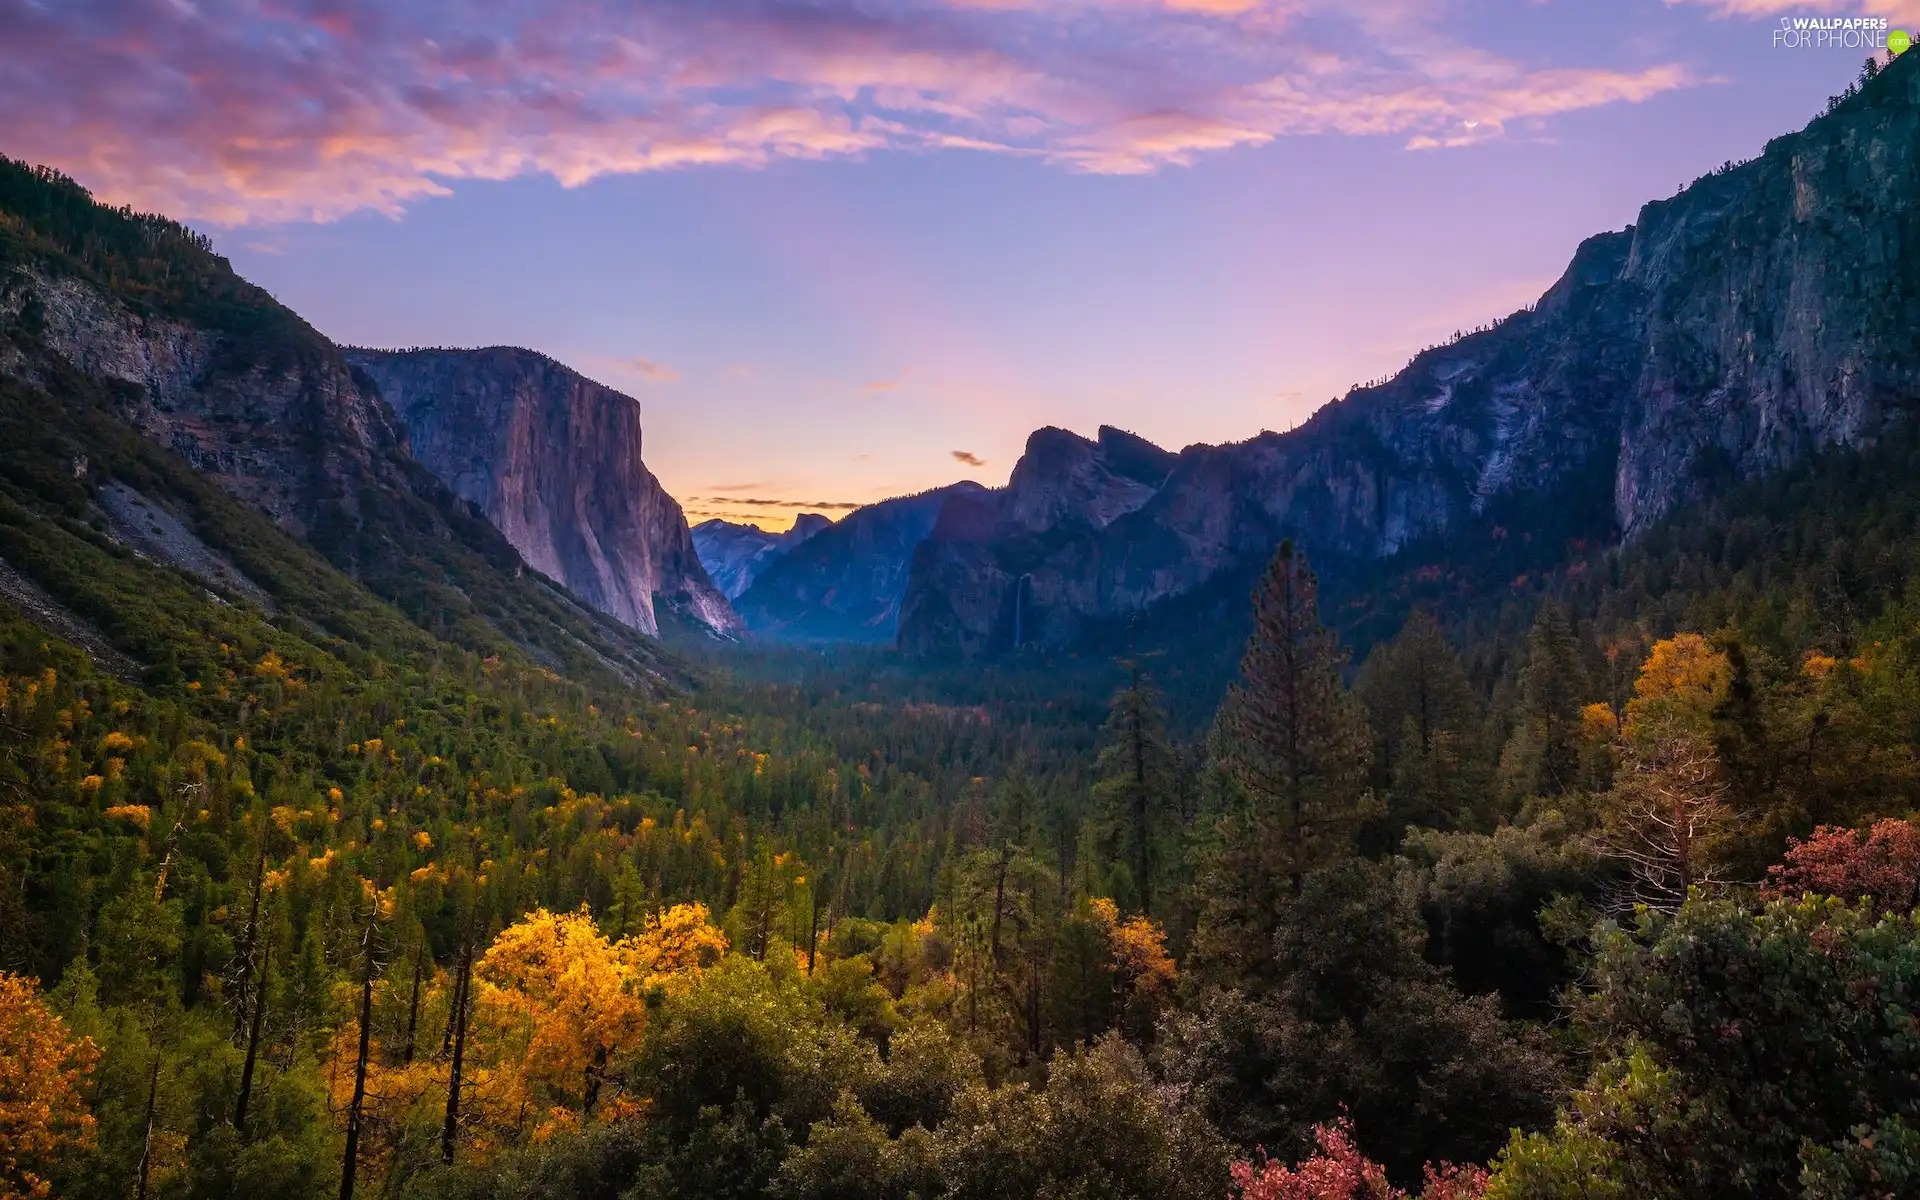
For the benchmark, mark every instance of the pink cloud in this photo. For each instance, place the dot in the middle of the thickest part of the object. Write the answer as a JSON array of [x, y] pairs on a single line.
[[262, 111], [1894, 9], [647, 370]]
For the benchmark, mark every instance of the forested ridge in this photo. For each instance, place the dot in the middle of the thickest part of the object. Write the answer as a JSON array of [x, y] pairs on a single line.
[[1513, 868]]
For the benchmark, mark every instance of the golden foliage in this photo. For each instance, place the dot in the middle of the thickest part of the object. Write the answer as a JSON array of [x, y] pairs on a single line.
[[133, 814], [577, 997], [42, 1114], [677, 943], [1139, 949], [1598, 724], [1683, 677]]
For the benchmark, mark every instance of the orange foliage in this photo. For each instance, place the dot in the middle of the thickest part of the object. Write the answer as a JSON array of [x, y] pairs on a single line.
[[42, 1115], [1139, 949]]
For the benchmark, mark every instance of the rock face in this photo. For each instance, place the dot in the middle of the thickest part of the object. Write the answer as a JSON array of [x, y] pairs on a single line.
[[734, 554], [1766, 313], [553, 461], [213, 369], [291, 430], [845, 582]]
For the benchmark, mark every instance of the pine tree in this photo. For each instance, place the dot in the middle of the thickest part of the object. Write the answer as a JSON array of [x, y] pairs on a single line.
[[1424, 717], [1295, 745], [1542, 758], [1134, 794]]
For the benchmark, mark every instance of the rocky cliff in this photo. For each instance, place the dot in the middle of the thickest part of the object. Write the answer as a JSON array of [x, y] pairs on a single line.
[[1767, 312], [104, 306], [553, 461], [845, 582], [735, 554]]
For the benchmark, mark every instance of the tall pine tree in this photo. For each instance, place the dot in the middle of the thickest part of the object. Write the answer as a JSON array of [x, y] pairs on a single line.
[[1426, 724], [1295, 748], [1542, 757], [1134, 792]]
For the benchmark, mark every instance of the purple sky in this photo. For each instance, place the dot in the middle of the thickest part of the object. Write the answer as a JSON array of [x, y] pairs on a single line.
[[846, 249]]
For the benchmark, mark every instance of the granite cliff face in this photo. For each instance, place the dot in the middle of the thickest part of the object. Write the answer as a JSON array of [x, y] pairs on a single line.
[[214, 370], [1767, 312], [553, 461], [735, 554], [845, 582]]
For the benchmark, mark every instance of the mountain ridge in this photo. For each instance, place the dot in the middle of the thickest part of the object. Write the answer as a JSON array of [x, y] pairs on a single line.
[[1717, 338], [734, 554]]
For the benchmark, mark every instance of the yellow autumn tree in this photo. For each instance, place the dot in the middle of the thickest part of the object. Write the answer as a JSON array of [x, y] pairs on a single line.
[[674, 947], [43, 1115], [1143, 969], [582, 998], [1668, 809], [581, 1003]]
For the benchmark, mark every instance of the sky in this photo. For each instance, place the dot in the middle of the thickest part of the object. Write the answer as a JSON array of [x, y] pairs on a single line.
[[841, 250]]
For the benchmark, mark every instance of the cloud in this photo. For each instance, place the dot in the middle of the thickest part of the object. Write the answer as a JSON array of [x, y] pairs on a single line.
[[968, 457], [646, 369], [261, 111], [759, 503], [888, 385], [1902, 9]]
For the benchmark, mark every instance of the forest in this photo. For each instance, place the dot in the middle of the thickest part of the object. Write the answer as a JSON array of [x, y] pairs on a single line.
[[1602, 887]]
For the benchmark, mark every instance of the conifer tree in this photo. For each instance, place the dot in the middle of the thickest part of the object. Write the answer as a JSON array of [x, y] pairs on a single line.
[[1295, 746], [1424, 713], [1542, 758], [1134, 792]]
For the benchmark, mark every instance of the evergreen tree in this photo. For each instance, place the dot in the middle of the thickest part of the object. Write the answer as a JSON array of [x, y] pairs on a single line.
[[1295, 745], [1134, 794], [1425, 718], [1542, 757]]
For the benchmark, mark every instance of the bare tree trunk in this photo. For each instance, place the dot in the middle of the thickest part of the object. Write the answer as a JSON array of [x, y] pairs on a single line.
[[813, 924], [146, 1151], [451, 1129], [453, 1010], [352, 1159], [251, 939], [254, 1021]]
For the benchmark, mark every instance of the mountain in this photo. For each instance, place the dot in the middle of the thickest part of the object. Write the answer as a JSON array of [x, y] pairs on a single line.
[[734, 554], [552, 459], [1766, 313], [979, 557], [845, 582], [112, 321]]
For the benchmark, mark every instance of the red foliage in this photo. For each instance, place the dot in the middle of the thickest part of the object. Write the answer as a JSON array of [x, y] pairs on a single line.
[[1455, 1183], [1338, 1171], [1881, 864]]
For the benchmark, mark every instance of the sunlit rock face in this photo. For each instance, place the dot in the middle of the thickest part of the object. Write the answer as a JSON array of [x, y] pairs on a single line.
[[552, 459]]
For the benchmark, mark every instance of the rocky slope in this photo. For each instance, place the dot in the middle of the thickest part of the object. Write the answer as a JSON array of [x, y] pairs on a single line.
[[845, 582], [1765, 313], [734, 554], [99, 306], [552, 459]]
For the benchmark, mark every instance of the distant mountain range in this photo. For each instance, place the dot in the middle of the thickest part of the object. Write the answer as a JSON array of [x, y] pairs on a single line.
[[734, 554], [846, 582]]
